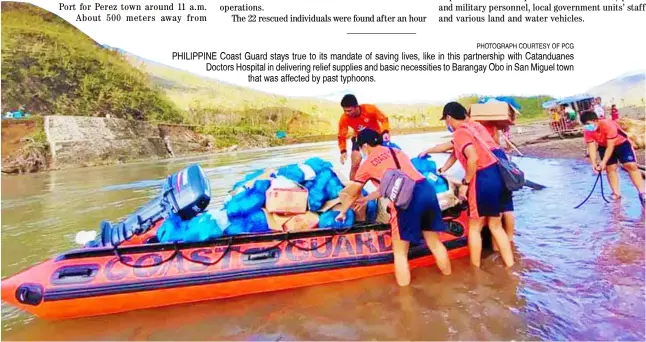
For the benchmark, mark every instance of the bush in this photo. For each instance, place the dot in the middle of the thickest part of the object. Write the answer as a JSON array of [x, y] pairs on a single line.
[[50, 67]]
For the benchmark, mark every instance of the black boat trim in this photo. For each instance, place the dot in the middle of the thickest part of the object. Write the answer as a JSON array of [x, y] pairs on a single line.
[[449, 214], [221, 277], [223, 241]]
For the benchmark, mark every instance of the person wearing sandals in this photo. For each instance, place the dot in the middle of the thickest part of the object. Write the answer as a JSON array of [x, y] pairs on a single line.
[[420, 221], [614, 147]]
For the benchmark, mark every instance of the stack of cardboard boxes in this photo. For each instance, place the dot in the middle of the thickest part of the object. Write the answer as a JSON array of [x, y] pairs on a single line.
[[287, 208]]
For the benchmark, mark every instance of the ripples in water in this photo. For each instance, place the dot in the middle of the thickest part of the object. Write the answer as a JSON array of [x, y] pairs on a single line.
[[579, 276]]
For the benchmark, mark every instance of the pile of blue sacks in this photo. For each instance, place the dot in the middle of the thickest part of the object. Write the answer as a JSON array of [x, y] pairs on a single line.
[[243, 212], [427, 167]]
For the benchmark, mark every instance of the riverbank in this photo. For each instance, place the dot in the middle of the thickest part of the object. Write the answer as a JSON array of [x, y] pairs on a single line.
[[570, 148], [537, 140], [62, 142], [38, 145]]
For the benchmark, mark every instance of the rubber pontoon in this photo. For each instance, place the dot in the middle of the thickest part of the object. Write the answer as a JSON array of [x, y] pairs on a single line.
[[107, 280]]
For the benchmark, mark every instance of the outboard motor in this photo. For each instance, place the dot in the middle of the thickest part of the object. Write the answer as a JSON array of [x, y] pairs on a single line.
[[185, 193]]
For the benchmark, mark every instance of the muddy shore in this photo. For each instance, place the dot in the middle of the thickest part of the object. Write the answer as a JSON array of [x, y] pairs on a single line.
[[535, 140]]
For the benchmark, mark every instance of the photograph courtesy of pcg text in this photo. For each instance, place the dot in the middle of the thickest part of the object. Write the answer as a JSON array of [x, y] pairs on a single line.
[[247, 170]]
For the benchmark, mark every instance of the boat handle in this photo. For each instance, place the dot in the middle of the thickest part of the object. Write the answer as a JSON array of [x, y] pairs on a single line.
[[263, 256], [76, 272]]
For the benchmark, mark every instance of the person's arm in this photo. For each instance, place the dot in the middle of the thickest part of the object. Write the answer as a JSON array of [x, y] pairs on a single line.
[[611, 132], [360, 201], [496, 135], [472, 167], [592, 154], [606, 156], [472, 163], [448, 164], [383, 120], [348, 196], [439, 148], [343, 137]]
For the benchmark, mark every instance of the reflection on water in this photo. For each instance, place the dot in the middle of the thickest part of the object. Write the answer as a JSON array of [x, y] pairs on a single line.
[[580, 273]]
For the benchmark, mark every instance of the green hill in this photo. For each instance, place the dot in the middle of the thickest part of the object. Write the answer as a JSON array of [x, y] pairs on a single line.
[[51, 67], [208, 101]]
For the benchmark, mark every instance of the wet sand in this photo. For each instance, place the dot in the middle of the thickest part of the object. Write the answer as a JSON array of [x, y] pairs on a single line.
[[536, 140]]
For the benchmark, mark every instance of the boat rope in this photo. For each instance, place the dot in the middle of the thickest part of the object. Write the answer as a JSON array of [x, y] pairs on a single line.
[[224, 253], [155, 264], [599, 178], [228, 249]]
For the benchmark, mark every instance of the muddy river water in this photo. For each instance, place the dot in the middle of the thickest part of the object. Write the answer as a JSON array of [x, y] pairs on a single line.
[[579, 275]]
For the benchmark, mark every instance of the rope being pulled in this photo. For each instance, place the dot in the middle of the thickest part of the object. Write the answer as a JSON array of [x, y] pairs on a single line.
[[599, 177]]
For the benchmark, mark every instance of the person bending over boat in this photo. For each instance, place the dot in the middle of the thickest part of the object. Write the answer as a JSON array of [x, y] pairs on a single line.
[[421, 220], [614, 147], [359, 117], [482, 186], [508, 218]]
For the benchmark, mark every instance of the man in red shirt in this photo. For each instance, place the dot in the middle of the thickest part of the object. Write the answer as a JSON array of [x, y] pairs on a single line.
[[508, 219], [482, 185], [614, 147], [359, 117], [421, 221]]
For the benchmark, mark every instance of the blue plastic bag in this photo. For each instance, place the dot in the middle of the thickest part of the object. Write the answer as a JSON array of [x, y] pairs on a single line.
[[248, 177], [202, 228], [317, 164], [424, 165], [292, 172], [318, 193], [248, 201], [333, 188], [328, 219], [371, 211], [439, 183], [172, 230], [257, 222], [236, 227], [391, 145], [510, 100]]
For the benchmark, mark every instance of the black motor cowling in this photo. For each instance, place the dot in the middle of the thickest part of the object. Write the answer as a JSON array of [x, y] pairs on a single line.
[[185, 193]]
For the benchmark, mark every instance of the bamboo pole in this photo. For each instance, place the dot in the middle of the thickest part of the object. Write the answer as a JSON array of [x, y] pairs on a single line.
[[512, 145]]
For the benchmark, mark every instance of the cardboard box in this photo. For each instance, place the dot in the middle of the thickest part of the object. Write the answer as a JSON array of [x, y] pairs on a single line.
[[382, 210], [276, 221], [301, 222], [286, 201], [329, 205], [500, 114], [447, 199]]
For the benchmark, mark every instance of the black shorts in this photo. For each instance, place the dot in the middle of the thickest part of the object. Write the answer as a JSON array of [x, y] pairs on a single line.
[[355, 146], [423, 213], [623, 153]]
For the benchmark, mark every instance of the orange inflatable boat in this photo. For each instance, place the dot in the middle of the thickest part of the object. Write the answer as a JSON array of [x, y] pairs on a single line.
[[106, 280]]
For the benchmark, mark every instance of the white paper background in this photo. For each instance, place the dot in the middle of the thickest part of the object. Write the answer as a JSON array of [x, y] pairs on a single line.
[[606, 45]]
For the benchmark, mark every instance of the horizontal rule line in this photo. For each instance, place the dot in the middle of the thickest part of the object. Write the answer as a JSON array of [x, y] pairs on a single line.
[[381, 33]]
